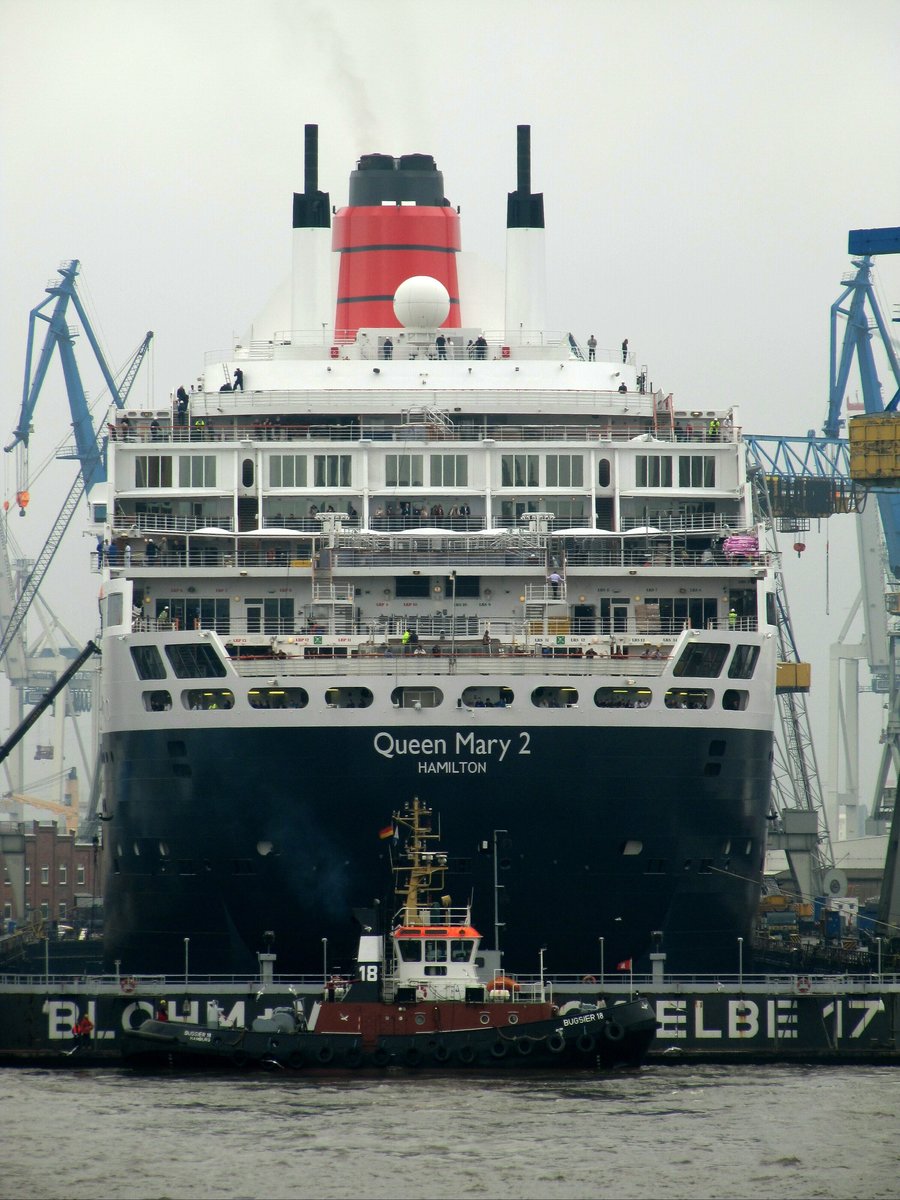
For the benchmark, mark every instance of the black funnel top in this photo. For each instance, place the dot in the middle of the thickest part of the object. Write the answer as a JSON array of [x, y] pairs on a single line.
[[524, 209], [312, 209], [412, 177]]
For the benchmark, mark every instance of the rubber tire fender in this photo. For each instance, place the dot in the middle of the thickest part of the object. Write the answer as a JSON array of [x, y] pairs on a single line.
[[324, 1054], [239, 1058], [466, 1055], [381, 1057], [412, 1056], [556, 1043], [613, 1031], [354, 1058], [524, 1046], [441, 1053], [296, 1059], [499, 1049], [586, 1044]]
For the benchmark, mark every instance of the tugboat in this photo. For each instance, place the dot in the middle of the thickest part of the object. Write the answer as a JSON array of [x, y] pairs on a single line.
[[433, 1001]]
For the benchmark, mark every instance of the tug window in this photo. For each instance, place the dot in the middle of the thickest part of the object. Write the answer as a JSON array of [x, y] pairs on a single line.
[[410, 951], [461, 949], [435, 951]]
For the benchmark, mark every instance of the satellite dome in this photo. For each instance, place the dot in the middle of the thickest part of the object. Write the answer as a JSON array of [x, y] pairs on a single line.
[[421, 302]]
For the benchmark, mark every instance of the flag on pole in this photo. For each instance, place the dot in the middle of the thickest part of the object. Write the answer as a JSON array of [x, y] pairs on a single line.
[[387, 832], [624, 965]]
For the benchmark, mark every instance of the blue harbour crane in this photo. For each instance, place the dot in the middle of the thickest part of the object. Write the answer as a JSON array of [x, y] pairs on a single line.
[[89, 449], [820, 476]]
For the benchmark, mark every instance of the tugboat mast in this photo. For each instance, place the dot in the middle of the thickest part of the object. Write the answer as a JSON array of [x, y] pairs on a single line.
[[422, 876]]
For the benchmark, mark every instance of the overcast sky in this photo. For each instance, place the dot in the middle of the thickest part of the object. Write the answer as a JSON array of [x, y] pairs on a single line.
[[701, 164]]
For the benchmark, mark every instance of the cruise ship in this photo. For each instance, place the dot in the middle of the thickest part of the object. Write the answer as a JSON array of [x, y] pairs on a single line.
[[374, 551]]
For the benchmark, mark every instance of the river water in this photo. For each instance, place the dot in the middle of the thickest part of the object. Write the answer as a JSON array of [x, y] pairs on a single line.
[[664, 1131]]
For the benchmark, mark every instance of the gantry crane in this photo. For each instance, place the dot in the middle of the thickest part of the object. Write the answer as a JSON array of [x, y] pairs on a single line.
[[17, 595]]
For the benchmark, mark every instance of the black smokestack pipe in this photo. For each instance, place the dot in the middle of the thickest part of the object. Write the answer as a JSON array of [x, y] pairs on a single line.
[[312, 208], [311, 159], [524, 210], [523, 157]]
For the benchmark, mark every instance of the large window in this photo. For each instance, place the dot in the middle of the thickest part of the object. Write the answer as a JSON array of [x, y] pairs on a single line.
[[148, 663], [696, 470], [195, 661], [287, 470], [449, 470], [196, 470], [331, 470], [519, 470], [565, 470], [153, 470], [653, 470], [403, 470]]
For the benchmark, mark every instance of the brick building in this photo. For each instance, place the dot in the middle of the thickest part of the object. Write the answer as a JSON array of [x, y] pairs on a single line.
[[61, 873]]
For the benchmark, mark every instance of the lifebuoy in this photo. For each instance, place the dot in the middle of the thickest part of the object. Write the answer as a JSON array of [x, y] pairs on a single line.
[[586, 1043], [128, 984], [589, 979], [466, 1055], [613, 1031], [556, 1043], [804, 984], [325, 1054]]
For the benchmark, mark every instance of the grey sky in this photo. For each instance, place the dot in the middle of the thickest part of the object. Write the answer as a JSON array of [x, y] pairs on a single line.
[[701, 164]]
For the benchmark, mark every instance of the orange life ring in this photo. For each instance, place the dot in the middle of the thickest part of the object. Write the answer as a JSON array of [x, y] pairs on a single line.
[[804, 984], [128, 984], [504, 983]]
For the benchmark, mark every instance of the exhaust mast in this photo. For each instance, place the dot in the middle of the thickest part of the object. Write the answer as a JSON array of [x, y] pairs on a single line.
[[312, 303], [526, 284]]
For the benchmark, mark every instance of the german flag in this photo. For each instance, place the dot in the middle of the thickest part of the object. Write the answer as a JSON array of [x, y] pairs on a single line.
[[387, 832]]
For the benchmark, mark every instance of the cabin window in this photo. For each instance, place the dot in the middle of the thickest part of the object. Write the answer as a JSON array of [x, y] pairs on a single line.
[[287, 470], [195, 660], [554, 697], [483, 696], [624, 697], [689, 698], [696, 470], [278, 698], [519, 470], [735, 699], [435, 950], [416, 697], [653, 470], [743, 664], [465, 586], [248, 472], [403, 470], [147, 662], [603, 473], [197, 470], [461, 949], [153, 470], [208, 698], [157, 701], [331, 470], [449, 470], [565, 470], [412, 587], [701, 660], [348, 697], [409, 950]]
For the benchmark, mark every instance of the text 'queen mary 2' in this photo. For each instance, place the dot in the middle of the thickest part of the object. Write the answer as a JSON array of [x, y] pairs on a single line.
[[397, 543]]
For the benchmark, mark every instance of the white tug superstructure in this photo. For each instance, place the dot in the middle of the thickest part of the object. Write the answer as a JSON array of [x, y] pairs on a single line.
[[401, 546]]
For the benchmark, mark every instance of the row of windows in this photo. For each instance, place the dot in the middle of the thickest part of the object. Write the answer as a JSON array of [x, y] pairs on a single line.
[[207, 699], [408, 470], [62, 910], [45, 875], [694, 470]]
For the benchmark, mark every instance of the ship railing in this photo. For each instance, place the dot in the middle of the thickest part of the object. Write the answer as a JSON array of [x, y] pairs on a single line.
[[169, 522], [392, 663], [219, 427]]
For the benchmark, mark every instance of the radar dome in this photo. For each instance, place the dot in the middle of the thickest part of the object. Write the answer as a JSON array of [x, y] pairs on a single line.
[[421, 302]]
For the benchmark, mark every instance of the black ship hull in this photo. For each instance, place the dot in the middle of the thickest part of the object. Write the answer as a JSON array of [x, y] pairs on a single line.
[[587, 842]]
